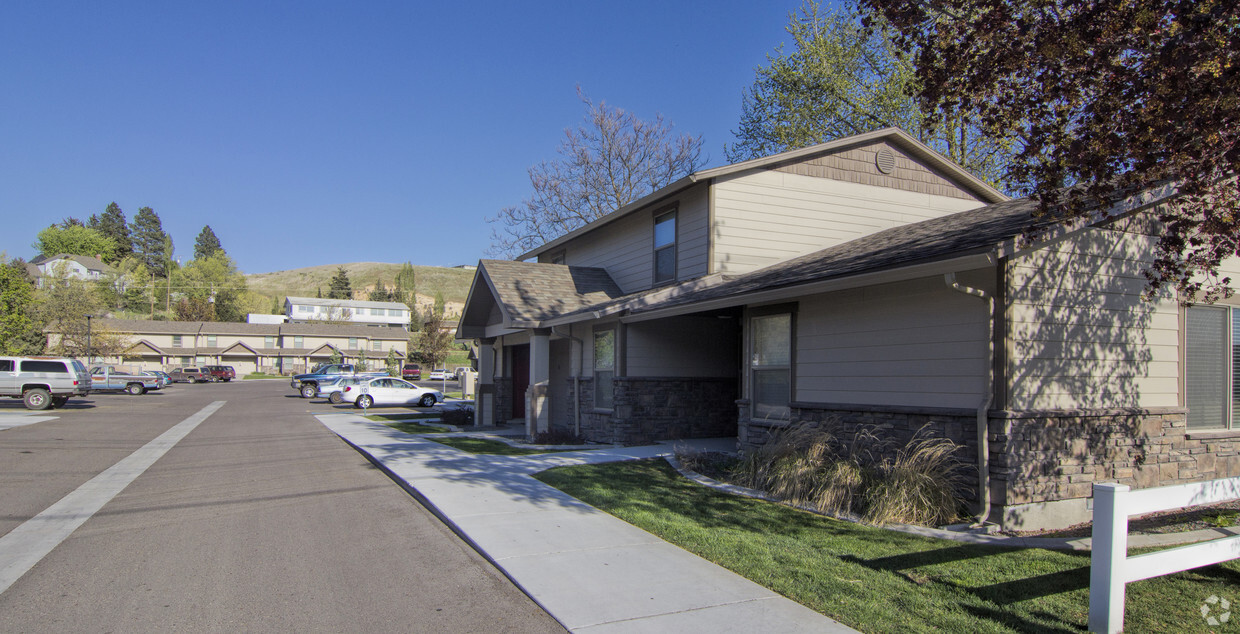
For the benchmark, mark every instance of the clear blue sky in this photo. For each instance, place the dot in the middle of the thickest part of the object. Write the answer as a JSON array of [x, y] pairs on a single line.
[[309, 133]]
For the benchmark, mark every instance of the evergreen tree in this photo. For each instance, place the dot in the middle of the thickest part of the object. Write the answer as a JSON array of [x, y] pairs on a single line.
[[207, 244], [379, 293], [440, 304], [150, 242], [340, 288], [111, 223]]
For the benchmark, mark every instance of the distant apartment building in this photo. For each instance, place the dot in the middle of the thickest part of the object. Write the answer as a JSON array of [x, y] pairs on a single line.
[[248, 347], [313, 309]]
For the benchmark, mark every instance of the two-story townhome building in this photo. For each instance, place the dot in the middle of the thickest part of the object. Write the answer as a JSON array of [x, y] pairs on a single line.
[[870, 281], [365, 313], [270, 348]]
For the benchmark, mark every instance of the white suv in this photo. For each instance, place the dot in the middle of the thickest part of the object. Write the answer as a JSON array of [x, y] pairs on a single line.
[[43, 382]]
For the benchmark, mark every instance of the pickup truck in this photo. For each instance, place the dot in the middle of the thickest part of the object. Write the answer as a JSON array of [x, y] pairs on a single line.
[[308, 384], [110, 379]]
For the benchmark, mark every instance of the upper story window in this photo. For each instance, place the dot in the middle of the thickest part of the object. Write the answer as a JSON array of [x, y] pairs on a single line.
[[176, 341], [1212, 366], [269, 341], [299, 341], [376, 345], [353, 343], [665, 248], [211, 341], [394, 312], [557, 258]]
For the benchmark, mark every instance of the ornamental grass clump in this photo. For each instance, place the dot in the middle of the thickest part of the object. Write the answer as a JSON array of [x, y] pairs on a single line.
[[920, 486], [808, 465]]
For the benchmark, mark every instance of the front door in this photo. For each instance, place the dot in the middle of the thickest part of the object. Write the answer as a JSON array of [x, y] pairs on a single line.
[[520, 378]]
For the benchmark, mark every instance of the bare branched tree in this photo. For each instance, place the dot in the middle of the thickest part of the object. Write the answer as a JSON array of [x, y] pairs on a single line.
[[611, 160]]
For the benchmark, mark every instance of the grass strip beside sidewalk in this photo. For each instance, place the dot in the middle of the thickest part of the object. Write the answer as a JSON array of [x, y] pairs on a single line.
[[877, 580]]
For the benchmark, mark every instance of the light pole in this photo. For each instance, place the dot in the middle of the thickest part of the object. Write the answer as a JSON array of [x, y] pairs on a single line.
[[88, 355]]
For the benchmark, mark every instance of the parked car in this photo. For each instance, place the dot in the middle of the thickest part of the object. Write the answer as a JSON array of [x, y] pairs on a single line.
[[223, 373], [442, 375], [389, 391], [411, 371], [164, 379], [43, 382], [308, 384], [333, 389], [190, 375]]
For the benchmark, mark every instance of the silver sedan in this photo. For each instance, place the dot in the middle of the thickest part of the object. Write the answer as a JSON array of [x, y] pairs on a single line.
[[390, 391]]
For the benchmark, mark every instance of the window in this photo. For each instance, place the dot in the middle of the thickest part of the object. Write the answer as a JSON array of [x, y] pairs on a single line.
[[353, 343], [211, 340], [269, 341], [177, 341], [186, 360], [48, 367], [299, 342], [305, 309], [1212, 366], [558, 258], [6, 365], [376, 345], [394, 312], [770, 367], [665, 248], [604, 368]]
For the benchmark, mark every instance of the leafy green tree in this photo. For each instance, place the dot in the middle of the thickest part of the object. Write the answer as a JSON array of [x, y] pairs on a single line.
[[435, 341], [151, 243], [207, 244], [76, 240], [1110, 96], [339, 285], [213, 280], [841, 79], [20, 333], [610, 161], [61, 306], [393, 364], [112, 224], [440, 304]]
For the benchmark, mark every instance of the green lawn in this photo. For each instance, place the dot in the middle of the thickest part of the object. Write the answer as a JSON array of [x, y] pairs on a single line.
[[413, 428], [492, 447], [877, 580], [379, 418], [261, 375]]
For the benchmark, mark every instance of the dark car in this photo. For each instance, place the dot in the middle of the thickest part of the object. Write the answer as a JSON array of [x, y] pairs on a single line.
[[190, 375], [411, 371], [223, 373]]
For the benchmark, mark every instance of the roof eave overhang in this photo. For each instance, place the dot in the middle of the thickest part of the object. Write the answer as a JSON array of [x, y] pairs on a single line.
[[659, 194], [872, 278]]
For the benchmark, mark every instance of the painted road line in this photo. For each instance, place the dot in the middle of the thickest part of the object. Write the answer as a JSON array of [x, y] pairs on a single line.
[[9, 421], [29, 543]]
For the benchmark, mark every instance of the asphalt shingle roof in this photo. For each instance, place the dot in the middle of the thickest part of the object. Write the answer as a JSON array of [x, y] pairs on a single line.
[[531, 291]]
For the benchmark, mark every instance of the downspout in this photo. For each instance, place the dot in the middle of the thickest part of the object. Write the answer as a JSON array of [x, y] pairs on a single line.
[[983, 437], [576, 378]]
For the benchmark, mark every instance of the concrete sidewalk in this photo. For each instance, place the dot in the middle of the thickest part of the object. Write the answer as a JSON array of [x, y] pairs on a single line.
[[589, 570]]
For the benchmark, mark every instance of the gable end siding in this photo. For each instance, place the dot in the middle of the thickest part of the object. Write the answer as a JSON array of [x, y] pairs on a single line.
[[858, 165]]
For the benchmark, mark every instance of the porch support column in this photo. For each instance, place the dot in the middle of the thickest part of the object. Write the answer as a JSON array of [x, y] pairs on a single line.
[[484, 401], [538, 409]]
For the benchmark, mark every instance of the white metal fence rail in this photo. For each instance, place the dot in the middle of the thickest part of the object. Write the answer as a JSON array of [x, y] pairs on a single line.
[[1111, 569]]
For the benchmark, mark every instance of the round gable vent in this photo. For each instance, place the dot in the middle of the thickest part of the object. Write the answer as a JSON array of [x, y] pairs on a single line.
[[886, 161]]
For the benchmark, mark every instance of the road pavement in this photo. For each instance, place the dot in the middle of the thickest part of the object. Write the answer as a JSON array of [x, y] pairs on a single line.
[[224, 507]]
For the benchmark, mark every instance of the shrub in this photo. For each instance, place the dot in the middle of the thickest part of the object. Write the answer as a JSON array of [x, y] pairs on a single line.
[[458, 416], [809, 465]]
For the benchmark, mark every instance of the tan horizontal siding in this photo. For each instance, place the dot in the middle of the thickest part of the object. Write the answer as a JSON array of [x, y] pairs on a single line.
[[910, 343], [766, 217]]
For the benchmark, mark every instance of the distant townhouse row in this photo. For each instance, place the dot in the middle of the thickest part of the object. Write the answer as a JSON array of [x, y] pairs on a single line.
[[271, 348]]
